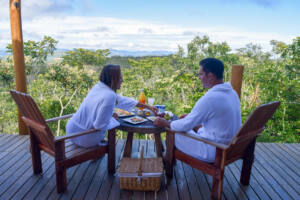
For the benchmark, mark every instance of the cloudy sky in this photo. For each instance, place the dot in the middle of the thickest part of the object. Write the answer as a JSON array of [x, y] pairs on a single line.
[[153, 25]]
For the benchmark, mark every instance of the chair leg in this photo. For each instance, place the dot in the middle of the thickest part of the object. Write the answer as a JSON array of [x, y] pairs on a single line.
[[169, 156], [35, 155], [128, 145], [169, 166], [111, 151], [217, 187], [61, 179], [247, 164]]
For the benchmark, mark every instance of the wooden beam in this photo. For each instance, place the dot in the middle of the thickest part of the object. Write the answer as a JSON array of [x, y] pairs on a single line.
[[18, 53], [237, 78]]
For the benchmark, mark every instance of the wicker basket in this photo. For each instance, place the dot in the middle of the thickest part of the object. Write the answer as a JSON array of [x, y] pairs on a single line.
[[140, 174]]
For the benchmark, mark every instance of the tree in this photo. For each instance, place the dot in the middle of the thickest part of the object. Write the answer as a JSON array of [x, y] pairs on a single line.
[[38, 51], [80, 57]]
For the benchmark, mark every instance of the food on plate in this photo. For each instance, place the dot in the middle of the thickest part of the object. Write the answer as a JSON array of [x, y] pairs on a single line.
[[147, 113], [140, 112], [122, 112], [136, 119], [152, 118], [167, 116]]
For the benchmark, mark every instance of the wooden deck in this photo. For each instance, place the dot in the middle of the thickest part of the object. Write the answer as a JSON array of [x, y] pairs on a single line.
[[275, 175]]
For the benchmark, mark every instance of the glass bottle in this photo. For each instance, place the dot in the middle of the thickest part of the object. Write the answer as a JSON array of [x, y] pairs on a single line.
[[142, 99]]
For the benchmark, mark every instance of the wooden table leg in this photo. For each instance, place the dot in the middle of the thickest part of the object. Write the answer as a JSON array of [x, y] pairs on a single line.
[[128, 145], [158, 145]]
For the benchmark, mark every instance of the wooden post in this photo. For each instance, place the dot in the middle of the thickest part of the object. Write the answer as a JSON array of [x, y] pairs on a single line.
[[18, 53], [237, 78]]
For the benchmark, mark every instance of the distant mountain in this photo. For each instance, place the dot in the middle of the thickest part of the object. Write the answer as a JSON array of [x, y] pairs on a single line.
[[113, 52]]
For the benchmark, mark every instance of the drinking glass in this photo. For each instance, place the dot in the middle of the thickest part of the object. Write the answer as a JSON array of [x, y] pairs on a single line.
[[151, 101]]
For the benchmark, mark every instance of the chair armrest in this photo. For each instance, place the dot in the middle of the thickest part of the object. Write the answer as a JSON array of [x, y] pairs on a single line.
[[59, 118], [201, 139], [62, 138]]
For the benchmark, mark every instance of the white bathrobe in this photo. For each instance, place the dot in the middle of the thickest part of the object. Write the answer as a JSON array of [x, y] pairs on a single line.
[[218, 111], [95, 112]]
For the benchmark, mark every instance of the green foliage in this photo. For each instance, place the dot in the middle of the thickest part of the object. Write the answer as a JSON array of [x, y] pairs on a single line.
[[171, 80], [80, 57], [6, 72], [38, 51]]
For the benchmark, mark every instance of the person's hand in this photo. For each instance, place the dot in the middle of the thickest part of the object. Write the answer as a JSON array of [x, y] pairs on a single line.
[[153, 109], [182, 116], [197, 128], [115, 115], [161, 122]]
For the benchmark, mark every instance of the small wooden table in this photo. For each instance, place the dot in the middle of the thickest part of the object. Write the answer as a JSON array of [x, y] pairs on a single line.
[[145, 128]]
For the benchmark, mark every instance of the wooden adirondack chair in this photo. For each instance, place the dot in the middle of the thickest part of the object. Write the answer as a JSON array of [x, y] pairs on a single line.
[[241, 147], [66, 153]]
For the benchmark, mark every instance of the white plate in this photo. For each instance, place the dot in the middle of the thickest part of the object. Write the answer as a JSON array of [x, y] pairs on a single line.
[[123, 113], [151, 118], [132, 120]]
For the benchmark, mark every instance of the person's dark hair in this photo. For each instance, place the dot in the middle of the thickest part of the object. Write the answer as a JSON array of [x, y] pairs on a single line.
[[110, 76], [214, 66]]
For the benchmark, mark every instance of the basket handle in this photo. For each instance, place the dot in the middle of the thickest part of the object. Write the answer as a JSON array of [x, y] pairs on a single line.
[[141, 162]]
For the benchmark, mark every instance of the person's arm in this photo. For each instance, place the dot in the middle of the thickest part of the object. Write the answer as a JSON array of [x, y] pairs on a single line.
[[125, 103], [104, 119], [195, 128], [152, 108], [200, 113]]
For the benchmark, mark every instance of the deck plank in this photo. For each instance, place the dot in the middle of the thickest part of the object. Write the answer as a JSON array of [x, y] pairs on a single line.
[[104, 191], [253, 190], [277, 162], [280, 173], [275, 175], [40, 183], [284, 157], [262, 183], [136, 149], [191, 181], [235, 185], [290, 152], [171, 185], [292, 148], [16, 179], [181, 181], [25, 183]]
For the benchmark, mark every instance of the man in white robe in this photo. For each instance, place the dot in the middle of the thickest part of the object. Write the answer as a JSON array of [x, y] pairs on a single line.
[[217, 114]]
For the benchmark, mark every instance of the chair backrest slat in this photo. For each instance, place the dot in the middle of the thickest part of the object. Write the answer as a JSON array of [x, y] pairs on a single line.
[[256, 120], [33, 118], [252, 127]]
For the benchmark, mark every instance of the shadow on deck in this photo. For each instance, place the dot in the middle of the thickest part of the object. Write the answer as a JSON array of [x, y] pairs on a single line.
[[275, 175]]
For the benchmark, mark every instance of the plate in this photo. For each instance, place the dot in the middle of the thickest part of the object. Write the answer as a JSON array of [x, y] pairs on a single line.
[[151, 118], [123, 113], [135, 120]]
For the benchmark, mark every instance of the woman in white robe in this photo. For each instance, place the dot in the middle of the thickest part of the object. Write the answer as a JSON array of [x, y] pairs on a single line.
[[96, 110]]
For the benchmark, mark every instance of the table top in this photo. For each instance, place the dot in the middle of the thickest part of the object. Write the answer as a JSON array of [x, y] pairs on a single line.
[[144, 127]]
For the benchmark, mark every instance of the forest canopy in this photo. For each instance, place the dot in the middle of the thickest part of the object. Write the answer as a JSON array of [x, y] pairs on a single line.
[[60, 86]]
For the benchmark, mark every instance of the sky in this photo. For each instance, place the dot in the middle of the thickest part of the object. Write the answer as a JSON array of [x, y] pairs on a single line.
[[154, 25]]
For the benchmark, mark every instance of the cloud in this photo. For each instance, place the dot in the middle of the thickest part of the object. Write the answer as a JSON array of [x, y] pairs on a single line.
[[33, 8], [145, 30], [113, 33]]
